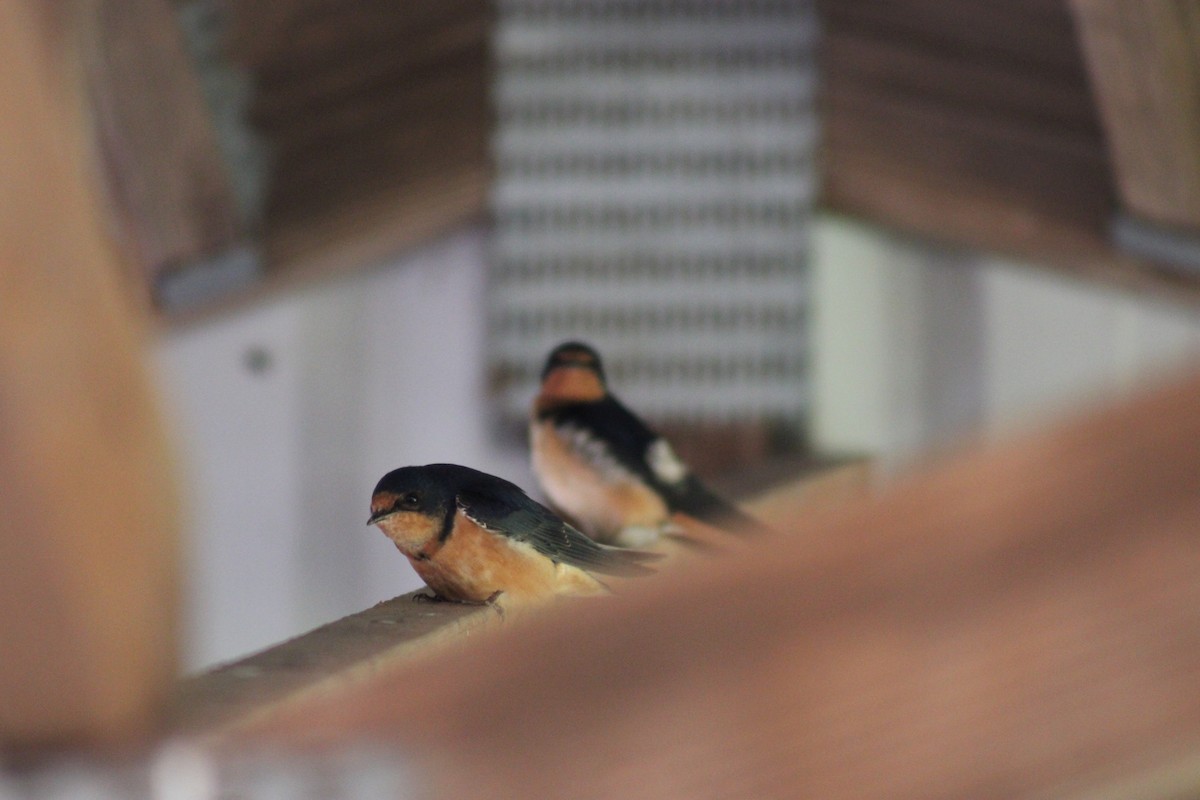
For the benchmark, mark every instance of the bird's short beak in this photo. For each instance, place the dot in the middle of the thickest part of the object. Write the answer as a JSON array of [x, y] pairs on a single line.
[[379, 516]]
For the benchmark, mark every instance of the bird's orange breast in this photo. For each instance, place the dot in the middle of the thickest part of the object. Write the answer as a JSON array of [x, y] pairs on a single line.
[[475, 563], [600, 503]]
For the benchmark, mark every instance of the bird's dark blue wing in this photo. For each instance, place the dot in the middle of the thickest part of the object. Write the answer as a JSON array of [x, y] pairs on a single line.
[[693, 498], [503, 507], [641, 451]]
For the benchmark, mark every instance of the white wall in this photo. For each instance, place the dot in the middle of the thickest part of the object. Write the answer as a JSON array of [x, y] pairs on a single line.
[[916, 346], [367, 374]]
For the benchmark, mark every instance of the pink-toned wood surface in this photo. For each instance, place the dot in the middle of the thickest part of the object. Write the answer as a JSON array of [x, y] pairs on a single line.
[[1018, 622], [88, 577]]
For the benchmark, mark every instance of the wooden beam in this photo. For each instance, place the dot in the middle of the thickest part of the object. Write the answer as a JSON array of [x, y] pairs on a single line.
[[326, 661], [1020, 622], [167, 179], [377, 125], [973, 124], [88, 576], [296, 36], [1144, 61], [375, 116]]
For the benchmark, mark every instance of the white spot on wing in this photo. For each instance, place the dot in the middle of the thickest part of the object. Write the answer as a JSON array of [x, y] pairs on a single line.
[[663, 462], [638, 536], [462, 510]]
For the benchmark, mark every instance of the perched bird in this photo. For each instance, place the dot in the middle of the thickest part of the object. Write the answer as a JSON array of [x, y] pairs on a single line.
[[604, 469], [473, 537]]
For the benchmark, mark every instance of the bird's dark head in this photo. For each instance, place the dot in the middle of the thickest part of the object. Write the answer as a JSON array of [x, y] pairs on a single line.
[[573, 373], [413, 504], [574, 355]]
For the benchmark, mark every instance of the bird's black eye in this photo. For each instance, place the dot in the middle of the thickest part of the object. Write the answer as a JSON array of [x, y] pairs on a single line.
[[410, 500]]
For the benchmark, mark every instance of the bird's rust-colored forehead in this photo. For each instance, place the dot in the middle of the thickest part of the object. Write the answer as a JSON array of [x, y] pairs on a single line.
[[575, 356], [569, 386], [408, 530], [382, 501]]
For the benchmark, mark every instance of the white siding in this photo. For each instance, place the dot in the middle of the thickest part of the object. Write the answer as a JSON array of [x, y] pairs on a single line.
[[916, 347]]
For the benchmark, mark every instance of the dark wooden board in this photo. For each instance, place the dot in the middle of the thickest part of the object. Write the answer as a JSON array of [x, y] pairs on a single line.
[[973, 124]]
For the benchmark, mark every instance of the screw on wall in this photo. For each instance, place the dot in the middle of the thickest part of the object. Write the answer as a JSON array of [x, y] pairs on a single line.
[[258, 360]]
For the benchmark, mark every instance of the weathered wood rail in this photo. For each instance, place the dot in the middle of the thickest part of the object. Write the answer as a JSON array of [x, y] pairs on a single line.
[[1017, 622]]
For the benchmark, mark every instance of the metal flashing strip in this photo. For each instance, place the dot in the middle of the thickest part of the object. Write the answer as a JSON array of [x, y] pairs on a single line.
[[1176, 250]]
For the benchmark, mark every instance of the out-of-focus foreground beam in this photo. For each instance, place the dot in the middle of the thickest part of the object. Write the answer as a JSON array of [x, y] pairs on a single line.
[[87, 505], [1018, 622]]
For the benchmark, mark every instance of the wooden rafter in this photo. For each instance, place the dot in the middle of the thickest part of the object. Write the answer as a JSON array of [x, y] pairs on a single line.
[[87, 506]]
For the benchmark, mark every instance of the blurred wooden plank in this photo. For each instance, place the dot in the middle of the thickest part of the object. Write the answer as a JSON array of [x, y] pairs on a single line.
[[373, 117], [952, 78], [1145, 68], [418, 93], [1055, 174], [1026, 35], [362, 232], [325, 661], [323, 63], [288, 34], [373, 139], [1020, 622], [388, 87], [88, 576], [972, 123], [366, 229], [376, 116], [167, 178], [957, 212], [967, 92]]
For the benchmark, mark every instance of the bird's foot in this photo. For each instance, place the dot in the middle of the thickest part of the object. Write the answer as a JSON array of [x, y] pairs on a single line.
[[493, 602]]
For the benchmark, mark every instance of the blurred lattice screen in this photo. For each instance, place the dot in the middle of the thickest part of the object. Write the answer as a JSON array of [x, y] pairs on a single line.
[[654, 185]]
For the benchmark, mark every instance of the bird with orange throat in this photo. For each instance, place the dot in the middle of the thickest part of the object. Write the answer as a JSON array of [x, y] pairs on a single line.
[[605, 470], [476, 538]]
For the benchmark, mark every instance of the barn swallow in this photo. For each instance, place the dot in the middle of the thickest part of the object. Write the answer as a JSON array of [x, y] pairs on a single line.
[[473, 537], [604, 469]]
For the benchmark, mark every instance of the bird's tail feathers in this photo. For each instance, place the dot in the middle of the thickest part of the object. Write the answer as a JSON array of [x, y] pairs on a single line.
[[699, 502], [625, 563]]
